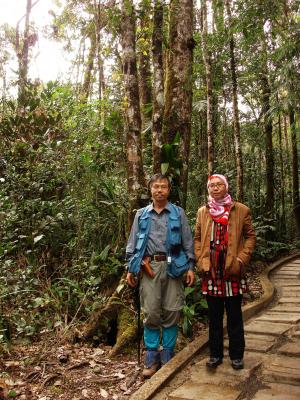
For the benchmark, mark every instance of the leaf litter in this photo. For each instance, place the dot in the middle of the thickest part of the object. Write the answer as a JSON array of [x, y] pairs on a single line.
[[68, 372]]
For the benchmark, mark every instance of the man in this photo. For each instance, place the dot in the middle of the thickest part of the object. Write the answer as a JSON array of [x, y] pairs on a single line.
[[224, 241], [159, 252]]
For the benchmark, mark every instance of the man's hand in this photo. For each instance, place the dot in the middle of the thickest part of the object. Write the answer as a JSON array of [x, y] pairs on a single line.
[[190, 277], [131, 279]]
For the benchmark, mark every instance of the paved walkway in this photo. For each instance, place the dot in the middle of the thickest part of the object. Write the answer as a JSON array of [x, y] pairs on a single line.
[[272, 358]]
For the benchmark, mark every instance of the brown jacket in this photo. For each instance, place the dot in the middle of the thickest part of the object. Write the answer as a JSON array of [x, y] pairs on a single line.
[[241, 238]]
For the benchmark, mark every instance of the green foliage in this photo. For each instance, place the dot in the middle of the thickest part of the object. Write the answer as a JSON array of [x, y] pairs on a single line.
[[63, 209], [266, 248], [194, 308]]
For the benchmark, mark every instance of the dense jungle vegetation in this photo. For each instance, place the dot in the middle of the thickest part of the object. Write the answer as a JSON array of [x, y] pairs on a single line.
[[183, 87]]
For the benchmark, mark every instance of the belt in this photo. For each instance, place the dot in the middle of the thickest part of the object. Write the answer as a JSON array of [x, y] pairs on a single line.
[[158, 257]]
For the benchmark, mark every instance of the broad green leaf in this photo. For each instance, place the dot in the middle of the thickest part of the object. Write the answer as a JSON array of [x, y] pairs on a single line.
[[164, 168]]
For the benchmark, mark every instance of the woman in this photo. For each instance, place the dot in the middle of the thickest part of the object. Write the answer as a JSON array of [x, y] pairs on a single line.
[[224, 242]]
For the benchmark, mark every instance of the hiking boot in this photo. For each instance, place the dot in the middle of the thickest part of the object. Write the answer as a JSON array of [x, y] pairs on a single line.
[[148, 372], [152, 363], [213, 362], [237, 364]]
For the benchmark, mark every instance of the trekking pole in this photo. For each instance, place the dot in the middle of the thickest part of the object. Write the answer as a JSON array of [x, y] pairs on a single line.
[[138, 306]]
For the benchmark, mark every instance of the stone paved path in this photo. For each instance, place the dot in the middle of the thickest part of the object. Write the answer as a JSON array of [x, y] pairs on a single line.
[[272, 358]]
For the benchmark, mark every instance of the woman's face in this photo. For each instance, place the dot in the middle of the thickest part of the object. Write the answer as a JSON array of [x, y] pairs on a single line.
[[216, 188]]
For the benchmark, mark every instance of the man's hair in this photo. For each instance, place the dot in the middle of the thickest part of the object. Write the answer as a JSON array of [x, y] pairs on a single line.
[[158, 177]]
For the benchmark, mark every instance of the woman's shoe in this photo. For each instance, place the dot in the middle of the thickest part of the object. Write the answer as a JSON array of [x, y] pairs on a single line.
[[213, 362], [237, 364]]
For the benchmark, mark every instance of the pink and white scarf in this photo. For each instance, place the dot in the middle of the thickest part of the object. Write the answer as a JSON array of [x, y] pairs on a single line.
[[219, 209]]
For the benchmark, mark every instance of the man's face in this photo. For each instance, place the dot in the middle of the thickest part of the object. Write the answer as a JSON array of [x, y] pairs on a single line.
[[160, 190], [216, 188]]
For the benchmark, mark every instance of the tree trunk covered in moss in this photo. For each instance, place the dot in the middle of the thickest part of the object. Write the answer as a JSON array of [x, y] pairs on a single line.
[[236, 121], [178, 98], [158, 85], [209, 88], [119, 308], [144, 72], [134, 162]]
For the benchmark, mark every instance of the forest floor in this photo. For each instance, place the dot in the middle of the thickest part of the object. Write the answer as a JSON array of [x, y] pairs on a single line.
[[49, 369]]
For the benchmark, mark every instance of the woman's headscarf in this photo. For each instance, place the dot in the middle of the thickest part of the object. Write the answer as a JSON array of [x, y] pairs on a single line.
[[219, 209]]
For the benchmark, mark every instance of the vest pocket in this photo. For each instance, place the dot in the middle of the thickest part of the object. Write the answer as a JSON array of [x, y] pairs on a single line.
[[179, 264], [140, 241], [143, 223], [175, 238]]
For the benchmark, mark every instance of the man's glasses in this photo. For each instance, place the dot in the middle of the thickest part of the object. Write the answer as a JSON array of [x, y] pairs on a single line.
[[218, 185], [156, 186]]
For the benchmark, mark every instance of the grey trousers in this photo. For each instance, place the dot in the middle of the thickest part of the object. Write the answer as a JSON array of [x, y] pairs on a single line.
[[162, 297]]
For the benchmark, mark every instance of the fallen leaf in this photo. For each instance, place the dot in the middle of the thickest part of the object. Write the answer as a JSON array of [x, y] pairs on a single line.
[[123, 387], [93, 364], [98, 352], [120, 375], [104, 393], [12, 363]]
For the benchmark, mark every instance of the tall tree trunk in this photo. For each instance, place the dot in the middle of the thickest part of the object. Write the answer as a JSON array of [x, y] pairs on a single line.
[[158, 85], [268, 131], [295, 163], [209, 89], [236, 121], [282, 176], [144, 49], [88, 73], [22, 50], [99, 24], [287, 160], [134, 162], [178, 99]]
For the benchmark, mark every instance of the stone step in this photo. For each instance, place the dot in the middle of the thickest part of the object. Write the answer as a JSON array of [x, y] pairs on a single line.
[[291, 308], [282, 280], [286, 276], [225, 373], [263, 338], [285, 282], [292, 318], [196, 391], [267, 328], [276, 391], [289, 300], [295, 287], [282, 369], [291, 273], [290, 291], [255, 342], [290, 268], [291, 349], [259, 345]]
